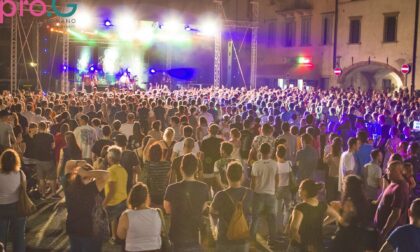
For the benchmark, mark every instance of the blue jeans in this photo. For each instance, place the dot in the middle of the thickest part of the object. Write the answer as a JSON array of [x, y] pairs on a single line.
[[114, 212], [284, 201], [232, 247], [84, 244], [264, 204], [9, 220]]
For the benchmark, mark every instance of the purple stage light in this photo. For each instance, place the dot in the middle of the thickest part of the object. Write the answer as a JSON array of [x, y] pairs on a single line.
[[107, 23], [152, 71]]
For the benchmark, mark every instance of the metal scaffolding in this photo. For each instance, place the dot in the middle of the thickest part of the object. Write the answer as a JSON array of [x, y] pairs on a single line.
[[227, 24], [65, 86], [254, 44], [218, 46], [13, 53]]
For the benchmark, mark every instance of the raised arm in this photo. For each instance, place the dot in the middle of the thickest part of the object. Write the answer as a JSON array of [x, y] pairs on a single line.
[[100, 176]]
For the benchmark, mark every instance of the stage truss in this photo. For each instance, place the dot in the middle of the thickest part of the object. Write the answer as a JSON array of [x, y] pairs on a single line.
[[17, 27], [20, 35], [230, 24]]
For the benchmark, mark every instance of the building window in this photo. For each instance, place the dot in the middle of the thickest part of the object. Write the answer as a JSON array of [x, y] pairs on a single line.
[[326, 29], [355, 29], [390, 27], [306, 31], [289, 36], [271, 36]]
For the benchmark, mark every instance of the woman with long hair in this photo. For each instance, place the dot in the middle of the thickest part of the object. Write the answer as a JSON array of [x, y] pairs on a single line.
[[70, 152], [105, 114], [202, 129], [158, 171], [49, 115], [235, 140], [156, 132], [225, 127], [140, 226], [353, 233], [101, 163], [135, 140], [19, 145], [307, 219], [167, 144], [10, 186], [332, 160], [193, 120], [82, 189]]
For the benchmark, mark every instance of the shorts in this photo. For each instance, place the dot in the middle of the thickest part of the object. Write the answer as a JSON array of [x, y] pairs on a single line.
[[45, 170], [29, 161], [114, 212]]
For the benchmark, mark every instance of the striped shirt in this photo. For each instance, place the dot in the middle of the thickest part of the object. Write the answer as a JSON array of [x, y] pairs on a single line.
[[157, 180]]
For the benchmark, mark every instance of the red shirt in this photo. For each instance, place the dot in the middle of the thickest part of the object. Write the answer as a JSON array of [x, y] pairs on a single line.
[[59, 144], [396, 195]]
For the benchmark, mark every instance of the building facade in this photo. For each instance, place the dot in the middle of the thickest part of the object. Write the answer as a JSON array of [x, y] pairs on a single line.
[[374, 39]]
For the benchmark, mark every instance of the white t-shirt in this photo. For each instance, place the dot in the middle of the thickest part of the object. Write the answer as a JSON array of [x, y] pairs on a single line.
[[85, 138], [265, 172], [284, 171], [178, 149], [372, 173], [209, 117], [127, 129], [144, 227], [9, 187], [347, 164]]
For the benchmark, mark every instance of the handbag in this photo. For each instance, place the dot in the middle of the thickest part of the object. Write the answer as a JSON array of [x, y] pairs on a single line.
[[293, 185], [25, 206], [166, 243], [100, 221]]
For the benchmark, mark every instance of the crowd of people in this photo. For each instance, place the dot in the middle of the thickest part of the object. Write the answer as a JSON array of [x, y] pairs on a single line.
[[151, 170]]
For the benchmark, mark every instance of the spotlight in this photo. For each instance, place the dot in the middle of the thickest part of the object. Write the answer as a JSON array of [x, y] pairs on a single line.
[[172, 25], [152, 70], [92, 69], [210, 28], [65, 68], [107, 23], [33, 64]]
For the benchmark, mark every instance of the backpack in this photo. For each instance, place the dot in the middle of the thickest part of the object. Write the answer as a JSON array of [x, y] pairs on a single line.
[[238, 228]]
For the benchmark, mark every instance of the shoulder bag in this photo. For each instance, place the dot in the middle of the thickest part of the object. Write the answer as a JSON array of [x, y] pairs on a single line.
[[166, 243], [25, 206]]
